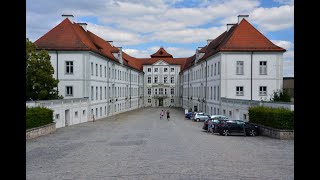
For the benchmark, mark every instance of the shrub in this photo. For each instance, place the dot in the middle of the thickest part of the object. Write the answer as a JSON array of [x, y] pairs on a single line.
[[38, 116], [278, 118]]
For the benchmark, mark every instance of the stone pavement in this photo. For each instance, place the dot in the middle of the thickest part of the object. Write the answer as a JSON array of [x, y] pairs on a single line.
[[138, 145]]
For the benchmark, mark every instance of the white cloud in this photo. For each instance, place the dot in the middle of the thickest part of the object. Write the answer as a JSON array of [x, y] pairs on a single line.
[[137, 53], [284, 44], [273, 19], [119, 37], [176, 52]]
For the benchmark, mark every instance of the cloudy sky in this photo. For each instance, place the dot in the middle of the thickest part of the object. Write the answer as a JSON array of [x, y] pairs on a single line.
[[180, 26]]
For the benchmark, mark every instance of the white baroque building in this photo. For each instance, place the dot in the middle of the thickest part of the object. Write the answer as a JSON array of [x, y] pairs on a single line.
[[240, 64]]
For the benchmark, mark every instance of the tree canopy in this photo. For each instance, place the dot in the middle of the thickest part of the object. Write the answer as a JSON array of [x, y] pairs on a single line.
[[40, 84]]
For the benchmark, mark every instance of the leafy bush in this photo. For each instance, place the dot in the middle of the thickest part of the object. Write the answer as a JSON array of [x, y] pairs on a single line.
[[38, 116], [281, 96], [278, 118]]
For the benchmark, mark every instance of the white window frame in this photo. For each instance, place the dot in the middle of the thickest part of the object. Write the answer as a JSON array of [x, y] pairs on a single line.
[[149, 100], [149, 91], [165, 70], [156, 70], [172, 100], [171, 79], [68, 92], [149, 69], [171, 69], [149, 79], [172, 91], [96, 69], [69, 67], [263, 68], [239, 91], [160, 90], [263, 92], [239, 69], [156, 79], [165, 79]]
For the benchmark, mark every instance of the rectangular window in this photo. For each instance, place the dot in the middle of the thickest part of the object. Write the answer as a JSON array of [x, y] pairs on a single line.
[[69, 91], [211, 70], [155, 91], [165, 90], [218, 92], [263, 67], [224, 112], [57, 116], [92, 93], [100, 70], [149, 91], [92, 68], [230, 114], [100, 111], [156, 79], [165, 79], [172, 100], [172, 91], [172, 69], [211, 92], [69, 67], [84, 112], [155, 69], [149, 100], [239, 90], [172, 80], [96, 93], [149, 79], [76, 114], [149, 69], [244, 117], [160, 90], [215, 68], [105, 71], [165, 70], [263, 91], [214, 92], [100, 93], [239, 70], [105, 92], [218, 68], [96, 69]]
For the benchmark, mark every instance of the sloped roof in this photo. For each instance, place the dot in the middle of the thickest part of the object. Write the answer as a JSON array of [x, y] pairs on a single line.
[[241, 37], [161, 53]]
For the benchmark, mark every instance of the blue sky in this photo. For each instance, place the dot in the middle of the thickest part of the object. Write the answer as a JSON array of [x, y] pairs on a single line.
[[180, 26]]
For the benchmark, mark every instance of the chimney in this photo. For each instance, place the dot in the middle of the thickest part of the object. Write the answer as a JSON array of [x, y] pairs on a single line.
[[83, 25], [240, 17], [120, 55], [209, 41], [70, 16], [110, 42], [229, 26]]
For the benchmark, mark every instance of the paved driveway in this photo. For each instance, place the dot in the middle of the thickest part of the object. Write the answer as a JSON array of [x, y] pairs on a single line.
[[138, 145]]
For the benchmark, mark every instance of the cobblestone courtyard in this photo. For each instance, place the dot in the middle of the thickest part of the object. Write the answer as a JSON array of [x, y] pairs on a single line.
[[138, 145]]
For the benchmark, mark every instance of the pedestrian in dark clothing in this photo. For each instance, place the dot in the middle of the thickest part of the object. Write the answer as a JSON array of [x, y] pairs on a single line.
[[168, 115]]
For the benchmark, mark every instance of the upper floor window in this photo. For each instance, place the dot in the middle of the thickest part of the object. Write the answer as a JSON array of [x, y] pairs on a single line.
[[165, 90], [165, 70], [105, 71], [172, 79], [218, 68], [215, 68], [149, 69], [149, 100], [92, 68], [263, 91], [172, 100], [239, 90], [172, 69], [69, 91], [149, 91], [100, 70], [263, 67], [149, 79], [69, 67], [155, 69], [211, 70], [165, 79], [156, 79], [160, 90], [96, 69], [172, 91], [155, 91], [239, 70]]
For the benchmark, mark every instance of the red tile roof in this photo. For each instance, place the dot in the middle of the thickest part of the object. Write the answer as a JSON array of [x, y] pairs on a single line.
[[71, 36], [161, 53]]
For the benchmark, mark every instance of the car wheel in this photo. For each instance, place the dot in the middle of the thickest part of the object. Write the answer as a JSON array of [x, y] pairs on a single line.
[[198, 120], [252, 132], [226, 132]]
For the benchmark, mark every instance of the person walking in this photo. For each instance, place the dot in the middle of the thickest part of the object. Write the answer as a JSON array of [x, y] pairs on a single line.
[[210, 124], [161, 114], [168, 115]]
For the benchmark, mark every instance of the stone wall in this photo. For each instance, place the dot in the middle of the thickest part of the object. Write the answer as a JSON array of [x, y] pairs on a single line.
[[275, 133], [40, 131]]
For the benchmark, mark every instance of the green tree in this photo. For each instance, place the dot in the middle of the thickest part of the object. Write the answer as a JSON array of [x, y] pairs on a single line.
[[280, 96], [40, 84]]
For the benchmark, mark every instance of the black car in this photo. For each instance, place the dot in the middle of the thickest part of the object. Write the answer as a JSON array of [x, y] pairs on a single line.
[[237, 127], [216, 122]]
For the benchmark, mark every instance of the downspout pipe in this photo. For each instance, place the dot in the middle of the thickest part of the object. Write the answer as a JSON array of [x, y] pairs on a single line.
[[57, 70], [251, 74]]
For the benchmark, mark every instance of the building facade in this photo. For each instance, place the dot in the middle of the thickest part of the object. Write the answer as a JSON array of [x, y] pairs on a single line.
[[240, 63]]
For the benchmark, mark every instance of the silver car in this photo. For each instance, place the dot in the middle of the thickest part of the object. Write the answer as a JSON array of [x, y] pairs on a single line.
[[201, 116]]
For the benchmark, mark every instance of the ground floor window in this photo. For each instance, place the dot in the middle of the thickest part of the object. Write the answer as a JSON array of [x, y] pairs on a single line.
[[172, 100], [149, 100]]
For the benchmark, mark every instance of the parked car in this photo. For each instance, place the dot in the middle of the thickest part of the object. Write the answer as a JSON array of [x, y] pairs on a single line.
[[216, 120], [201, 116], [237, 127], [189, 115]]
